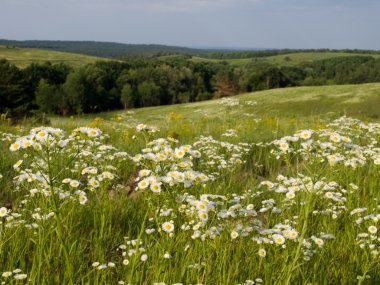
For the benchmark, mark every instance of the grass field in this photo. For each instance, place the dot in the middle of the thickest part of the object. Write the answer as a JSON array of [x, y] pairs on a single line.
[[22, 57], [262, 202], [285, 59]]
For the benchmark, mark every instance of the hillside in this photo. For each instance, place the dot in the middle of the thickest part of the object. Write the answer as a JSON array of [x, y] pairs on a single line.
[[262, 187], [104, 49], [352, 100], [297, 106], [289, 59], [22, 57], [112, 49]]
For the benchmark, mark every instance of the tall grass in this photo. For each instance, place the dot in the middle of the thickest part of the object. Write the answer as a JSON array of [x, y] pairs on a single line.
[[113, 226]]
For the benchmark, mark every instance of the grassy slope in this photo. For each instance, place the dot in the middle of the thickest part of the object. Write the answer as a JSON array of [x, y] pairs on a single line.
[[22, 57], [295, 58], [352, 100], [102, 225], [288, 108]]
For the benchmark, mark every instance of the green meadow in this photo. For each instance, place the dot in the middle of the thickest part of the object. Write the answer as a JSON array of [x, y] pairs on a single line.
[[290, 59], [272, 187], [22, 57]]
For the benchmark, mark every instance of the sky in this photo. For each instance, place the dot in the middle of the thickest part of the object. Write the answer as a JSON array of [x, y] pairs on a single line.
[[276, 24]]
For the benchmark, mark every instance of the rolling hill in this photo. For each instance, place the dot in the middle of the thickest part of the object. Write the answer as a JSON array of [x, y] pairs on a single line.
[[289, 59], [298, 106], [104, 49], [22, 57]]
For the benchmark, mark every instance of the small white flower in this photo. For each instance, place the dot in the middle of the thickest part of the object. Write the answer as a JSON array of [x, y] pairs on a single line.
[[168, 227], [262, 252], [306, 134], [284, 146], [290, 195], [100, 267], [371, 229], [6, 274], [3, 211], [15, 146], [278, 239], [125, 262], [234, 234], [82, 199], [319, 241], [143, 184], [74, 183], [21, 276]]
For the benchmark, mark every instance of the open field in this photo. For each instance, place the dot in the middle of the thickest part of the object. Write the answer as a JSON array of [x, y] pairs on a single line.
[[22, 57], [297, 104], [285, 59], [272, 187]]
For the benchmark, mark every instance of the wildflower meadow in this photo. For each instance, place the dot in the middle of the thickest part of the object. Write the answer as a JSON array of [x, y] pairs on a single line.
[[231, 198]]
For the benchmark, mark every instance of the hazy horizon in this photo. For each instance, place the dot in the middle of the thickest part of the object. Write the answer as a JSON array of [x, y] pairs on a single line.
[[232, 24]]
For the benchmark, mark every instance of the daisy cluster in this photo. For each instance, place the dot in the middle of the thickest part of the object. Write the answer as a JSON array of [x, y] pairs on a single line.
[[345, 141], [229, 102], [328, 197], [146, 128], [55, 169], [230, 133], [7, 137], [251, 103], [219, 155], [82, 163], [368, 235], [252, 282], [164, 163], [8, 277], [213, 216]]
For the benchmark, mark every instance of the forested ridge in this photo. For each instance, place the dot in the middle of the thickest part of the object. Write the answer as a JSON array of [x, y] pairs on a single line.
[[141, 82], [120, 50], [104, 49]]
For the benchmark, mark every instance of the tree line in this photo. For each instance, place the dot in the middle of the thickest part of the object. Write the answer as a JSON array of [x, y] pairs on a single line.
[[141, 82], [273, 52], [104, 49]]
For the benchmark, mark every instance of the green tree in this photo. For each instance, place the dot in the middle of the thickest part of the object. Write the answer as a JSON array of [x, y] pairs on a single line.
[[127, 96], [13, 98], [75, 89], [46, 97], [149, 94]]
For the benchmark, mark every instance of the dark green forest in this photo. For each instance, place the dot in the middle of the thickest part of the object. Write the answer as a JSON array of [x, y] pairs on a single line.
[[105, 49], [141, 82], [121, 50]]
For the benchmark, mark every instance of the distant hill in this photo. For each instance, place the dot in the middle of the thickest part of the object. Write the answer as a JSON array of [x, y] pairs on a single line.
[[106, 49], [288, 59], [119, 50], [22, 57]]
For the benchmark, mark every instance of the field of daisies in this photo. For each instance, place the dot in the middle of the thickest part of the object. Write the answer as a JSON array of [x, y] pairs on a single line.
[[229, 199]]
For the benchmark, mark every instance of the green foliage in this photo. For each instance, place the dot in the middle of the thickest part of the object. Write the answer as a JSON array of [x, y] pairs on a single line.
[[23, 57], [149, 93], [47, 96], [126, 96], [13, 98], [104, 49], [153, 81]]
